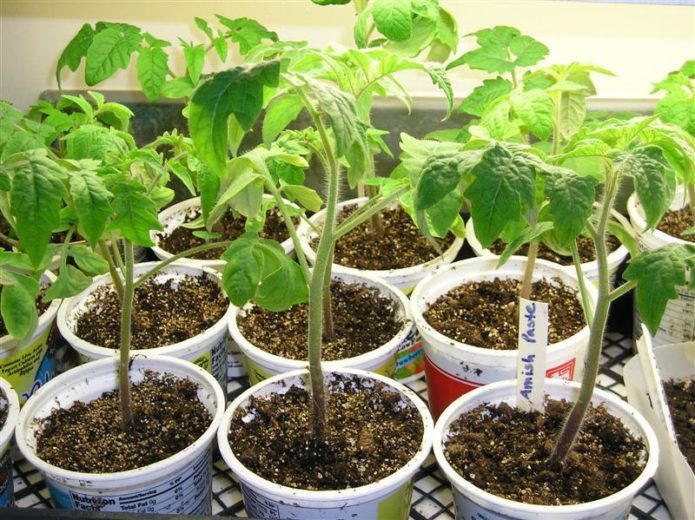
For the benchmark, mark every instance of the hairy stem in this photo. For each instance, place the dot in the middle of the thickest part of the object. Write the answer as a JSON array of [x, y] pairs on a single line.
[[365, 212], [115, 277], [586, 303], [317, 287], [525, 291], [126, 309], [328, 328], [691, 199], [598, 326], [4, 239]]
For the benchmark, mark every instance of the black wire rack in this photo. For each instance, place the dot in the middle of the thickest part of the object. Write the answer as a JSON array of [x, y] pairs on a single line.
[[432, 498]]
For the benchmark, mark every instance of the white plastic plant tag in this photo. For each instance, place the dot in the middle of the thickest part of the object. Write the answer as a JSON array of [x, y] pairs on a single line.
[[530, 362]]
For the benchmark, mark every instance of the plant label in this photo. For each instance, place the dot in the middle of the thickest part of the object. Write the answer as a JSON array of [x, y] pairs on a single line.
[[530, 363]]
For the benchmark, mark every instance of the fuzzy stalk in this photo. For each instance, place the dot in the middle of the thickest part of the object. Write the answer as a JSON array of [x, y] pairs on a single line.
[[691, 199], [574, 421], [525, 291], [364, 213], [115, 278], [124, 349], [328, 327], [586, 304]]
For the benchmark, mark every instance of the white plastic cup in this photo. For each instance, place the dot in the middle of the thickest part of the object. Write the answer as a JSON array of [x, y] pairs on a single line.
[[674, 477], [590, 269], [207, 350], [6, 433], [29, 365], [678, 323], [180, 484], [261, 365], [410, 361], [387, 499], [454, 368], [473, 502]]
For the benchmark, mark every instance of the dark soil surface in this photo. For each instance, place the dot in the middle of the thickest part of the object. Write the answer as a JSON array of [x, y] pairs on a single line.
[[681, 401], [41, 307], [164, 313], [584, 244], [485, 314], [675, 223], [229, 227], [87, 437], [370, 435], [4, 408], [504, 451], [400, 245], [363, 321]]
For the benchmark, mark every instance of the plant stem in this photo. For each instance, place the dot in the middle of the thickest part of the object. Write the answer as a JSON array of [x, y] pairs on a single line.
[[316, 287], [126, 309], [7, 240], [291, 229], [525, 291], [598, 326], [623, 289], [586, 304], [691, 197], [188, 252], [115, 278], [328, 328]]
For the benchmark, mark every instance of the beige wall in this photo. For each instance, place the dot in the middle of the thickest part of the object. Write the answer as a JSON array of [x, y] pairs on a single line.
[[639, 43]]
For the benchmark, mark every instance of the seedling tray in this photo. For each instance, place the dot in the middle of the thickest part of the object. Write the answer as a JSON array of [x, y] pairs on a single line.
[[432, 499]]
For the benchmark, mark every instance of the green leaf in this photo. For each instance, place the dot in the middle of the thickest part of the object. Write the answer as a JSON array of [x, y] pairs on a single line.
[[247, 33], [135, 215], [20, 142], [153, 68], [239, 92], [535, 109], [209, 186], [35, 198], [502, 190], [527, 51], [571, 199], [626, 235], [177, 88], [109, 51], [439, 177], [359, 31], [91, 203], [442, 215], [75, 50], [258, 269], [70, 281], [87, 260], [527, 235], [481, 97], [496, 120], [17, 305], [280, 113], [195, 61], [221, 47], [239, 175], [305, 196], [204, 26], [657, 274], [94, 142], [572, 112], [438, 75], [654, 183], [392, 18], [15, 261], [342, 114]]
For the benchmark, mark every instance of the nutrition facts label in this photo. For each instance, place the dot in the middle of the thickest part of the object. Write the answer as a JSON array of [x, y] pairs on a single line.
[[187, 493]]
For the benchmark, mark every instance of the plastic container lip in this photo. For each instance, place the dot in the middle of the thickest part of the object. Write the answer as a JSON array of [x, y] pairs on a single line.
[[12, 413], [648, 436], [104, 367], [376, 488], [367, 357], [8, 343], [306, 233], [421, 296], [636, 213], [614, 257], [74, 304]]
